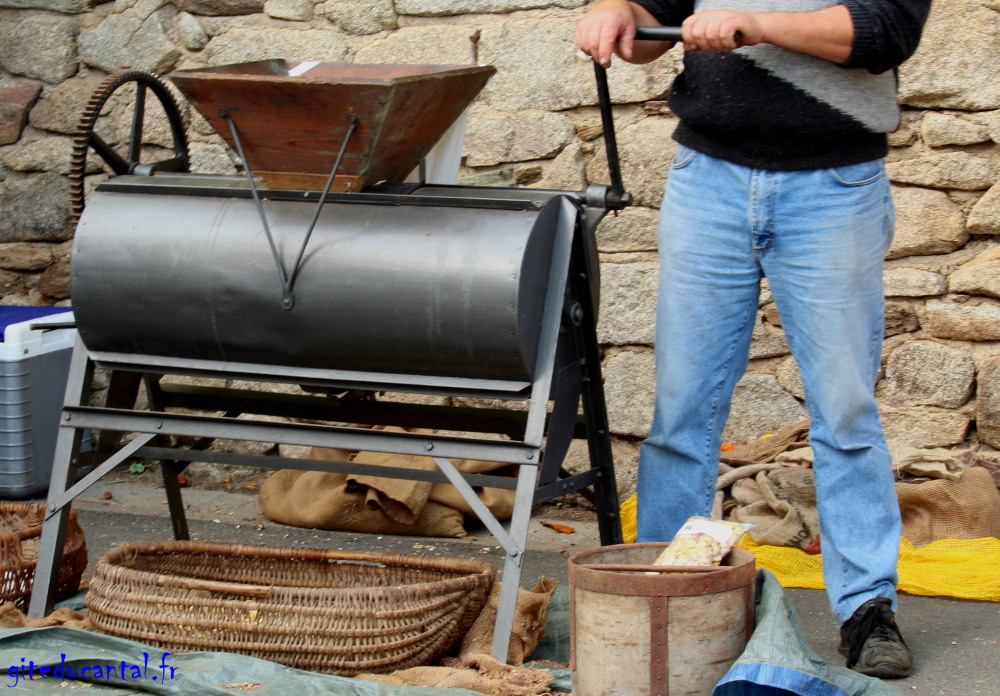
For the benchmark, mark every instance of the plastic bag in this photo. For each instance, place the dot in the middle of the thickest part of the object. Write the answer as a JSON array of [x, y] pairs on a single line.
[[702, 542]]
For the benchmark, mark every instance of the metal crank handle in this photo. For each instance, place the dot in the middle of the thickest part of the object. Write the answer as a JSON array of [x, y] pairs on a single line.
[[658, 34], [668, 34], [617, 198]]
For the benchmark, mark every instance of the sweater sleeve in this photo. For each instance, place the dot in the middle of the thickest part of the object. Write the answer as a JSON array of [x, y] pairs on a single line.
[[886, 32], [669, 13]]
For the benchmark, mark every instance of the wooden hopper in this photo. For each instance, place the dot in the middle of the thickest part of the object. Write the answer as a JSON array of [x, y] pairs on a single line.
[[292, 118]]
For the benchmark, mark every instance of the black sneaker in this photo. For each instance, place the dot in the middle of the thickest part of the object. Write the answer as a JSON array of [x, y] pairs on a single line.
[[871, 642]]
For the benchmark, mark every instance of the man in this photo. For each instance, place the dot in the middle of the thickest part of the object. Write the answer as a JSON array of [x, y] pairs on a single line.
[[779, 173]]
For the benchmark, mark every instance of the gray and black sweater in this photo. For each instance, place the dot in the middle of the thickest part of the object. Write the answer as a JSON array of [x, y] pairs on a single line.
[[770, 108]]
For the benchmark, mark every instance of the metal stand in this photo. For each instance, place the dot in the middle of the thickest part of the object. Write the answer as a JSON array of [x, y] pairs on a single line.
[[567, 376]]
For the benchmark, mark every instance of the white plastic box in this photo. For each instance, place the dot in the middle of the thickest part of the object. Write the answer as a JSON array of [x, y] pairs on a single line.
[[34, 365]]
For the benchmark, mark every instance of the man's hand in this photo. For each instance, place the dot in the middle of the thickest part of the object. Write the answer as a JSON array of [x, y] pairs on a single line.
[[609, 29], [721, 30], [606, 29]]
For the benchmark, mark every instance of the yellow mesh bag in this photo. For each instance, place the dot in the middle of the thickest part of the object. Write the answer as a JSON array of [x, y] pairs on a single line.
[[963, 568], [627, 515]]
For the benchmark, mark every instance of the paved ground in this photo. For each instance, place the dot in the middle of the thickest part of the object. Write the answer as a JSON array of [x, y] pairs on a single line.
[[956, 644]]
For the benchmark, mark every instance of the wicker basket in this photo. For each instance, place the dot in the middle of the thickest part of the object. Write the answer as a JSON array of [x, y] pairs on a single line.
[[20, 536], [320, 610]]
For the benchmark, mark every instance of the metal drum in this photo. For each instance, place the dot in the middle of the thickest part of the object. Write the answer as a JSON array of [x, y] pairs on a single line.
[[187, 271]]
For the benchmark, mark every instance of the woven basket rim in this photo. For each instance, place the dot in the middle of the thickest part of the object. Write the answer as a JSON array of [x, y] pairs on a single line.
[[429, 616], [25, 509], [463, 567]]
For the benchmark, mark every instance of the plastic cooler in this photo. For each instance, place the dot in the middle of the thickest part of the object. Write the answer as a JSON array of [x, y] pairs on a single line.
[[34, 364]]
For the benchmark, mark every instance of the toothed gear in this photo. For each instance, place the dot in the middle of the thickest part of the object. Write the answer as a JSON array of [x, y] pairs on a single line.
[[85, 138]]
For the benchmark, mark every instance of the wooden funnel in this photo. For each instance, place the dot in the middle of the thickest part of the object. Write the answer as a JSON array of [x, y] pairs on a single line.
[[292, 118]]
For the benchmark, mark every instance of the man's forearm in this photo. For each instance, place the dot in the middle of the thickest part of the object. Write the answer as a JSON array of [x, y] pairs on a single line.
[[826, 33]]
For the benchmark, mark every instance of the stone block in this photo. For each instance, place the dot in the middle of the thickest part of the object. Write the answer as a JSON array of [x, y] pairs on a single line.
[[767, 341], [633, 229], [54, 282], [566, 172], [362, 17], [988, 402], [123, 41], [35, 207], [241, 45], [963, 319], [984, 218], [15, 103], [61, 109], [50, 154], [981, 276], [64, 6], [496, 137], [628, 303], [939, 130], [760, 406], [40, 46], [438, 44], [913, 282], [290, 10], [900, 318], [955, 66], [191, 32], [946, 170], [928, 373], [629, 377], [924, 427], [927, 222], [441, 8], [26, 257], [217, 8]]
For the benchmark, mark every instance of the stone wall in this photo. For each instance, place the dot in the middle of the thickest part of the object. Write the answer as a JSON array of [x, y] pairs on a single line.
[[536, 125]]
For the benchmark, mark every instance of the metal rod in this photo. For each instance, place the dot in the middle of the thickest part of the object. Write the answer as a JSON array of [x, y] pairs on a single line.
[[60, 500], [283, 277], [658, 34], [309, 434], [608, 123], [518, 531], [630, 568], [138, 116], [50, 545], [485, 515], [331, 467], [289, 299]]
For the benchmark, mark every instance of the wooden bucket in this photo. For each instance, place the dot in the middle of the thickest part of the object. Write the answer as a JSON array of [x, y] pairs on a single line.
[[656, 634]]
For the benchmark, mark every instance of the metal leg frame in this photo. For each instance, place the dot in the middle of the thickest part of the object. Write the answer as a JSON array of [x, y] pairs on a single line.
[[50, 549]]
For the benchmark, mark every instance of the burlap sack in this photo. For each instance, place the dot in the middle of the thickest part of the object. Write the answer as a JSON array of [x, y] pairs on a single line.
[[360, 502], [781, 504], [767, 449], [479, 673], [531, 615], [12, 617], [968, 508], [320, 500], [929, 463], [500, 501], [402, 500]]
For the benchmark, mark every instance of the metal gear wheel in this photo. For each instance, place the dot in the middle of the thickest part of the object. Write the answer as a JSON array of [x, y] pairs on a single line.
[[127, 162]]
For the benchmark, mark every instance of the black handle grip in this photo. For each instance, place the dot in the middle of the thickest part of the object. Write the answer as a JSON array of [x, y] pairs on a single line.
[[658, 33]]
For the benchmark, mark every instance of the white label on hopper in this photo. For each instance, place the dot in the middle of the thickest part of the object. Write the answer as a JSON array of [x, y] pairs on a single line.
[[302, 68]]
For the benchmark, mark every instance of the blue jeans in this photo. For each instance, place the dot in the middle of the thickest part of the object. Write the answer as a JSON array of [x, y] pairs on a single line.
[[820, 237]]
